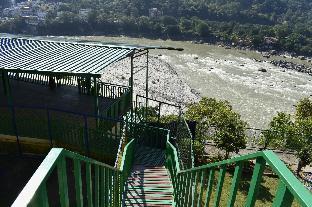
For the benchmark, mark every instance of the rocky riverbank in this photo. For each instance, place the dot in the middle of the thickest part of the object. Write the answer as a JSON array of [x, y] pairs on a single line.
[[164, 83], [292, 66]]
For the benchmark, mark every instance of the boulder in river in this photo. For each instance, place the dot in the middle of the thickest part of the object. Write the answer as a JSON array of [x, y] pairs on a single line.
[[262, 70]]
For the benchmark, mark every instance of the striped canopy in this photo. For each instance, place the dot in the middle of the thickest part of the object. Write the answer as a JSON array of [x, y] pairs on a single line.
[[31, 55]]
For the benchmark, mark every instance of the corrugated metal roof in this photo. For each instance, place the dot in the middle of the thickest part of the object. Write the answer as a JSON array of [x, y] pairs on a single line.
[[59, 57]]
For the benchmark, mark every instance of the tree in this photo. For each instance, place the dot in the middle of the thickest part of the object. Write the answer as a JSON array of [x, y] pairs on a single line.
[[229, 129], [304, 109], [202, 29], [301, 143], [230, 132], [281, 129], [295, 135]]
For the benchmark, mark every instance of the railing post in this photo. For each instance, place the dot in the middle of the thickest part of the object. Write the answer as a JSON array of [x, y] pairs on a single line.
[[159, 111], [235, 181], [62, 182], [283, 198], [78, 183], [49, 127], [255, 182], [209, 186], [89, 185], [15, 130], [86, 137]]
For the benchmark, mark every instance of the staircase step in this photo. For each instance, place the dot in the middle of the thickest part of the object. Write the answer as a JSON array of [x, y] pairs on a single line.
[[149, 183]]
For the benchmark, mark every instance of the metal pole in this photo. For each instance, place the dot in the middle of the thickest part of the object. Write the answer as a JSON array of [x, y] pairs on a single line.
[[146, 88], [159, 111], [86, 138], [11, 106], [96, 101], [49, 128], [131, 86]]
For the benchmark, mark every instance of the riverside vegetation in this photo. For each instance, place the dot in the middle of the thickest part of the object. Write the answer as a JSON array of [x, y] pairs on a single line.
[[285, 131], [284, 25]]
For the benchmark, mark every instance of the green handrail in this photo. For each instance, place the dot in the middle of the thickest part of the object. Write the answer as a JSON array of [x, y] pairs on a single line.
[[104, 184], [184, 144], [186, 182]]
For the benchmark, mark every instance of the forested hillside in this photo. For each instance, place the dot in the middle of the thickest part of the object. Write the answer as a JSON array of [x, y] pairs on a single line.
[[242, 22]]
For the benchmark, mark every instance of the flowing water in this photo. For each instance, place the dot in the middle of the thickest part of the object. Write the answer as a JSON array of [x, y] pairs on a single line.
[[232, 75]]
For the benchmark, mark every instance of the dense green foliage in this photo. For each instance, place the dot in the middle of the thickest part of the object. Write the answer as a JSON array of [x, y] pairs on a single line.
[[241, 22], [294, 134], [218, 116], [280, 129]]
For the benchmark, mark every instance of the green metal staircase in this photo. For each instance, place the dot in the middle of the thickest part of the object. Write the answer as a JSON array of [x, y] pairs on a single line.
[[150, 174], [149, 183]]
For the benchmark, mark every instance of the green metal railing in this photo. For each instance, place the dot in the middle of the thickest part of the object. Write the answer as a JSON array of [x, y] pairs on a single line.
[[60, 128], [184, 144], [95, 183], [187, 182], [148, 135], [119, 107]]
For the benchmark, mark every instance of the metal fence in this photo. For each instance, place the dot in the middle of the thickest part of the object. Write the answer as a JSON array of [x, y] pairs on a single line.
[[55, 127]]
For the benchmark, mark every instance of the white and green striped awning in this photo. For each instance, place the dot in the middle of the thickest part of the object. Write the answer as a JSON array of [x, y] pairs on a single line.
[[43, 56]]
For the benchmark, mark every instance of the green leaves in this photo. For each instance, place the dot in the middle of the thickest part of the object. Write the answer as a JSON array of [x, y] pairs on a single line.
[[291, 134], [229, 129], [281, 130], [304, 109]]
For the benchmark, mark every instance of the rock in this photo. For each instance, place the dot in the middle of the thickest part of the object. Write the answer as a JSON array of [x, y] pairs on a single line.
[[273, 52], [302, 57], [227, 47], [266, 55], [262, 70]]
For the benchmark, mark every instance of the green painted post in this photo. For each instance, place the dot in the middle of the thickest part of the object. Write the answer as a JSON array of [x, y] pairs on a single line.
[[283, 197], [41, 197], [106, 187], [194, 185], [62, 182], [220, 185], [8, 92], [146, 86], [131, 87], [89, 184], [96, 186], [4, 82], [121, 185], [235, 181], [209, 186], [255, 182], [181, 198], [102, 187], [78, 183], [202, 177], [96, 101], [187, 188]]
